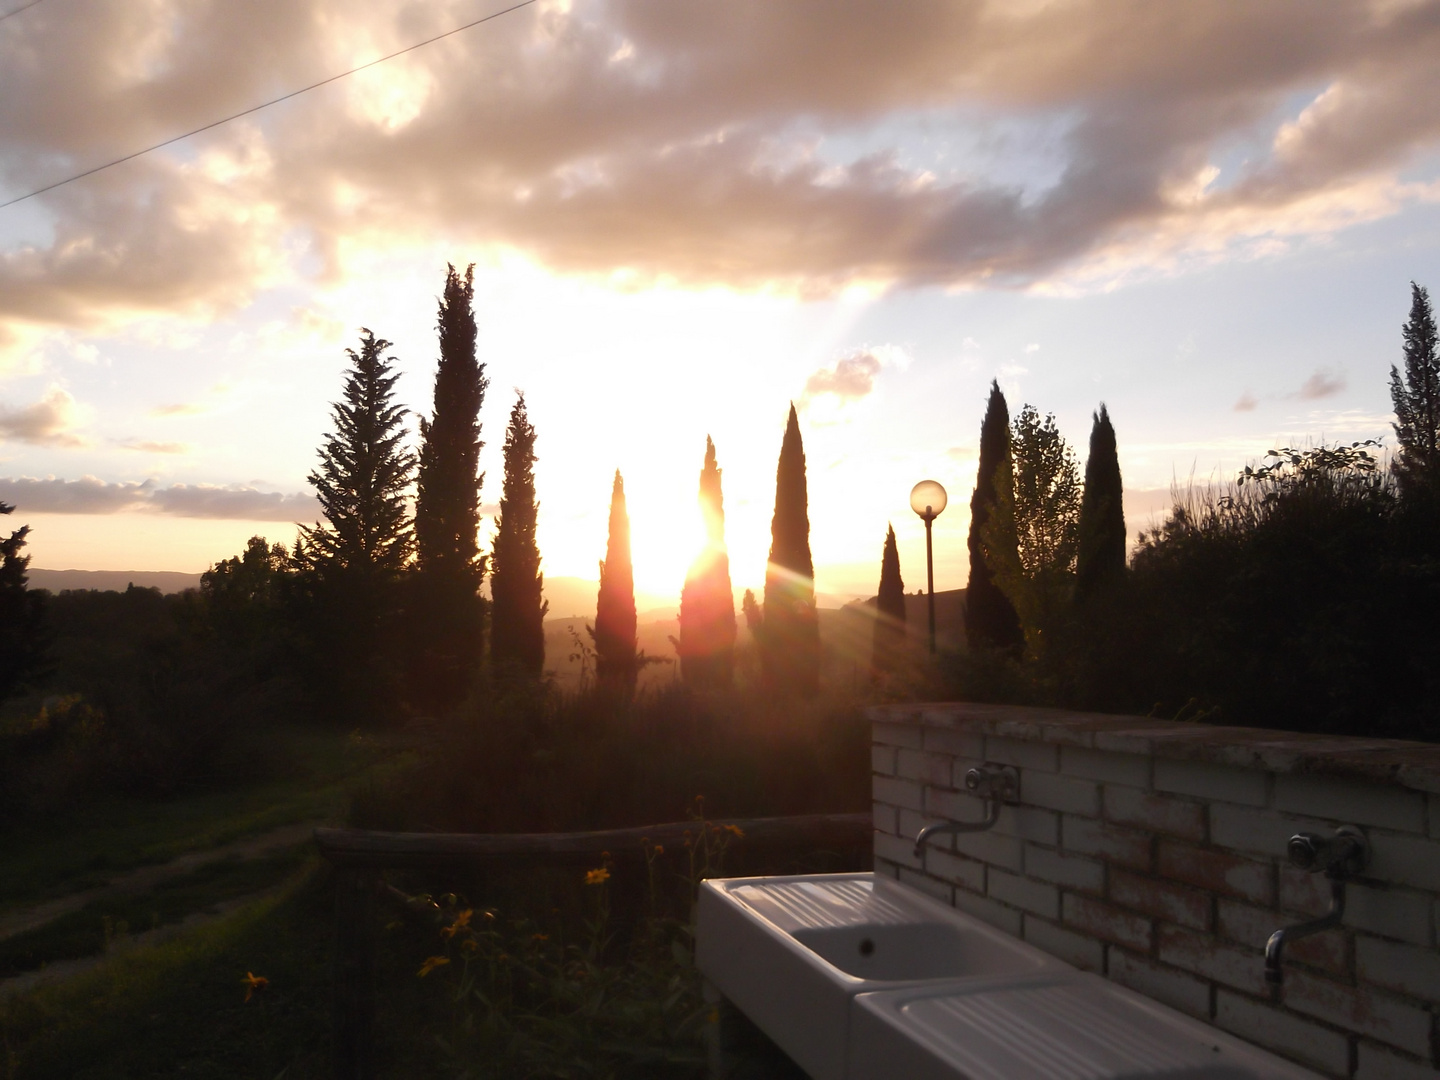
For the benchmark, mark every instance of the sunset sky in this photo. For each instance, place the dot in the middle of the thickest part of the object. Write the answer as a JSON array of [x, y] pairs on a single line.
[[684, 216]]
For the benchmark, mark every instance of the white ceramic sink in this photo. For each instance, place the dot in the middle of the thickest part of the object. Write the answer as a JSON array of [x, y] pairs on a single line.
[[1062, 1026], [791, 953]]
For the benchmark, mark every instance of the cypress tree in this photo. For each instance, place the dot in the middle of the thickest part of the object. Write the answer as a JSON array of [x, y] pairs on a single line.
[[1100, 559], [889, 608], [616, 664], [447, 613], [447, 485], [1416, 397], [790, 637], [707, 603], [22, 640], [990, 618], [517, 612], [351, 566]]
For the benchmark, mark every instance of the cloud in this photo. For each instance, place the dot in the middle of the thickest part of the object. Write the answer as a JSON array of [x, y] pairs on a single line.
[[90, 495], [49, 422], [149, 447], [177, 409], [1324, 383], [698, 143], [1246, 402], [848, 379]]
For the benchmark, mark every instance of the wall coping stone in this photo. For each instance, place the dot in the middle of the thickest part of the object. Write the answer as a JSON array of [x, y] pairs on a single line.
[[1397, 762]]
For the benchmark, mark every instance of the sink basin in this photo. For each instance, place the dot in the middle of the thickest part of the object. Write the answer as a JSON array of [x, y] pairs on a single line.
[[791, 953], [1062, 1026]]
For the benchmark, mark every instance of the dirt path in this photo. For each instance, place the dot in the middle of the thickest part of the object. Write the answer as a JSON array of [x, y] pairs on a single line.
[[22, 920]]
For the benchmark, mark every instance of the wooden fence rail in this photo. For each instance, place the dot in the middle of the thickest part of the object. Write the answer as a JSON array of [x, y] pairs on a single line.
[[360, 855]]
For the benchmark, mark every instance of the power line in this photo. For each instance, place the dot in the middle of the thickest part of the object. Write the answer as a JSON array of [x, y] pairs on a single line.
[[22, 7], [262, 105]]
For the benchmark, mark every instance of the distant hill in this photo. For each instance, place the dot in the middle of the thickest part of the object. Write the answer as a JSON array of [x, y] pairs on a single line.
[[167, 581]]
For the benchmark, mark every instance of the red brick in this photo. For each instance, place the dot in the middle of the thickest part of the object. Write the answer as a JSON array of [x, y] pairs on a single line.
[[1107, 922], [1161, 813], [1114, 843], [1206, 955], [1173, 903], [1362, 1011], [1252, 926], [1218, 871]]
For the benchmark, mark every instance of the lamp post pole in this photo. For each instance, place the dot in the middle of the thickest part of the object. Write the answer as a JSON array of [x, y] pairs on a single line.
[[930, 576], [927, 499]]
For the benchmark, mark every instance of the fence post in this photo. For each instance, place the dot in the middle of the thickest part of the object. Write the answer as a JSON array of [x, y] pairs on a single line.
[[354, 982]]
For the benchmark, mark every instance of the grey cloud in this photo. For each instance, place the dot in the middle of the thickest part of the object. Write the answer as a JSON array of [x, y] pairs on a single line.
[[89, 495], [850, 379], [149, 447], [48, 422], [1246, 402], [688, 159], [1324, 383]]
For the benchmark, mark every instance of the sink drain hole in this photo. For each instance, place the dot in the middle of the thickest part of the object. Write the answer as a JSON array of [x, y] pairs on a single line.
[[866, 947]]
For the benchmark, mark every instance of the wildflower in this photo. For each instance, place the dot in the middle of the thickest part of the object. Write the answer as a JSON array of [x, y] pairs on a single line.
[[539, 937], [254, 982], [431, 963], [659, 849], [597, 877], [735, 831], [461, 922]]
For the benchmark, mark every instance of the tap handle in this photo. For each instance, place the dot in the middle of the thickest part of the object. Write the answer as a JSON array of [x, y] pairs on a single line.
[[1307, 851], [1000, 782], [1343, 855]]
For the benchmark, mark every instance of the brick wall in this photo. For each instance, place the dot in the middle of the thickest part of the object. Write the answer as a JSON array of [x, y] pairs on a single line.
[[1153, 852]]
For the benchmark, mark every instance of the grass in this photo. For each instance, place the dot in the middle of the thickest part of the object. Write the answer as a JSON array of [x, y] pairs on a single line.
[[91, 930], [96, 840]]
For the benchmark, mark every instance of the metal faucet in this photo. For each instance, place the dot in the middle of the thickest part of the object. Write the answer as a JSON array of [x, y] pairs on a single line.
[[992, 783], [1341, 857]]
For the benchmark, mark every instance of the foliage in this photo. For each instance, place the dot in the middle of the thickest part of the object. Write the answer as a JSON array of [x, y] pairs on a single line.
[[445, 613], [889, 609], [1416, 397], [1032, 533], [22, 639], [990, 618], [616, 663], [706, 646], [363, 475], [788, 634], [517, 614], [1100, 539], [348, 598]]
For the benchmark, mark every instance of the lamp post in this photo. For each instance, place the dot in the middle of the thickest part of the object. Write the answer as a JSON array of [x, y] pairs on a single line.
[[927, 499]]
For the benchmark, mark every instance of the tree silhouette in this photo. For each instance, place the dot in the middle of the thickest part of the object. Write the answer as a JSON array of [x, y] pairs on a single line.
[[22, 640], [990, 618], [889, 609], [789, 633], [517, 610], [447, 613], [707, 604], [351, 566], [363, 474], [616, 664], [1100, 554], [1416, 397]]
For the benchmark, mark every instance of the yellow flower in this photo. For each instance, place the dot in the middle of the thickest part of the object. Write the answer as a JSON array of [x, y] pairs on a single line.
[[659, 849], [597, 877], [431, 963], [254, 982], [539, 937], [735, 831], [461, 921]]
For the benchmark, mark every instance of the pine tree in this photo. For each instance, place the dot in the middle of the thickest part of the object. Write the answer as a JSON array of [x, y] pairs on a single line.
[[351, 566], [363, 474], [22, 639], [1100, 554], [889, 609], [1416, 397], [517, 611], [707, 604], [990, 618], [789, 636], [616, 663]]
